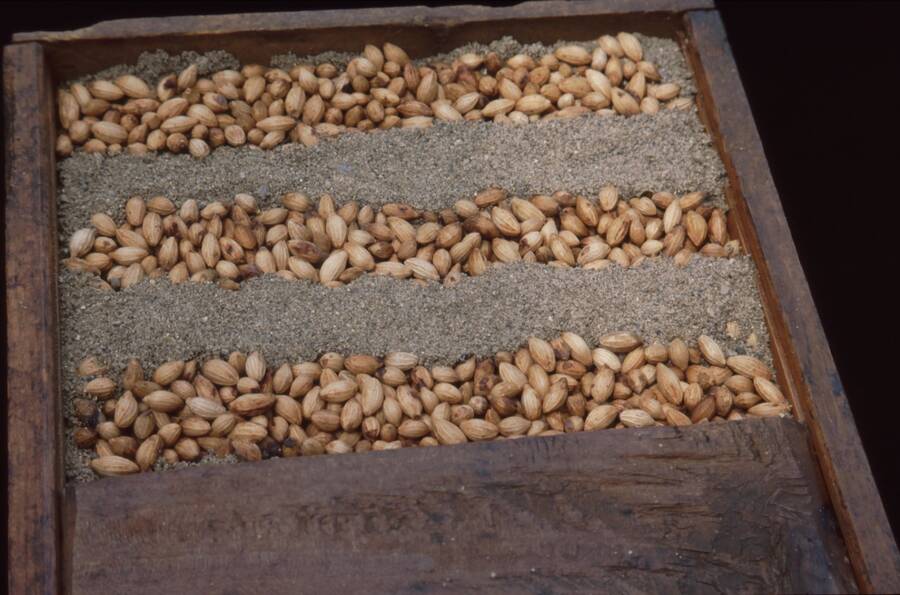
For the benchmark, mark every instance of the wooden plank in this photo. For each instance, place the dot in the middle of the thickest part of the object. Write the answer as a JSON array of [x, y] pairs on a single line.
[[853, 492], [726, 507], [421, 16], [34, 442]]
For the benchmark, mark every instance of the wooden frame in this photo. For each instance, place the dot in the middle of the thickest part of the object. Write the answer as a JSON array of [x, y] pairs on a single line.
[[43, 518]]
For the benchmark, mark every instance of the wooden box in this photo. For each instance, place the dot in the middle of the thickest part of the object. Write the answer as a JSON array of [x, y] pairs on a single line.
[[758, 505]]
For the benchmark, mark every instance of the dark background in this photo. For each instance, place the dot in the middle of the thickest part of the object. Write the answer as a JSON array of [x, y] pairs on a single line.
[[821, 79]]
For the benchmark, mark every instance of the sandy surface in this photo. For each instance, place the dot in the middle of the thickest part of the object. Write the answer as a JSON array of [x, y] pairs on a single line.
[[429, 169]]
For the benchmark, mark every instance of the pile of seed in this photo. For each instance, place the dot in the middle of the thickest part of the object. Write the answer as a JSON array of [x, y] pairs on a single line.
[[357, 403], [669, 151], [334, 246], [380, 89]]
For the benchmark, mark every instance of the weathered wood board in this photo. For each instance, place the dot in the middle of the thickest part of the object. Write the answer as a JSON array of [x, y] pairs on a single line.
[[34, 418], [727, 507]]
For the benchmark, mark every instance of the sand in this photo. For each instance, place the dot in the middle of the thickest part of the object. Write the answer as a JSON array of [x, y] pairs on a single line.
[[429, 169], [155, 320]]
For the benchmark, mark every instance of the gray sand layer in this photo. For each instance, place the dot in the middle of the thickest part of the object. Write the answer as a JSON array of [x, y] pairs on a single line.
[[290, 321], [429, 169]]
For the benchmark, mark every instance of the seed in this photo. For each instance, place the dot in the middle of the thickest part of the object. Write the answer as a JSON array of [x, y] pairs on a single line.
[[768, 390], [447, 432], [401, 360], [579, 348], [574, 55], [533, 104], [220, 372], [601, 417], [163, 401], [624, 103], [514, 426], [112, 465], [711, 350], [168, 372], [102, 388], [91, 366], [555, 397], [479, 429], [675, 417], [82, 241], [338, 391], [205, 408], [620, 342], [630, 46], [148, 452], [669, 384], [252, 404], [636, 418], [748, 366]]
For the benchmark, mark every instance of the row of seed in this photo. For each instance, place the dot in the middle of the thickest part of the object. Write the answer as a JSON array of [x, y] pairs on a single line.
[[331, 245], [379, 89], [338, 404]]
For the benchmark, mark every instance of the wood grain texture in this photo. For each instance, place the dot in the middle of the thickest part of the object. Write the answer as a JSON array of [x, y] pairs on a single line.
[[34, 443], [420, 30], [853, 492], [726, 507]]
